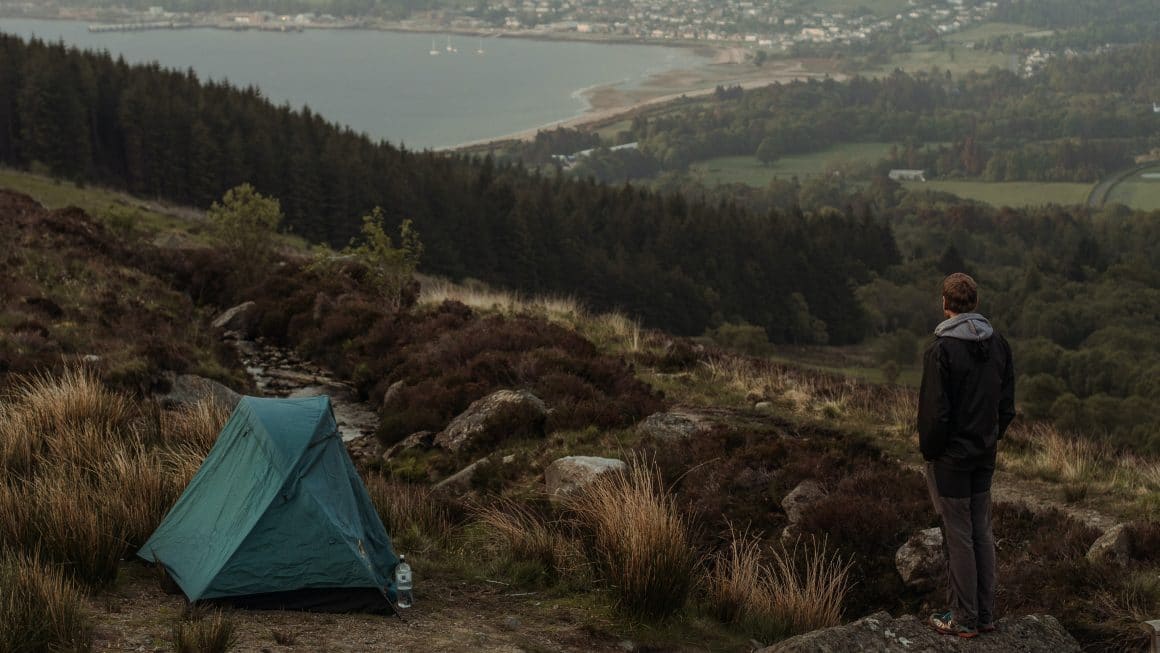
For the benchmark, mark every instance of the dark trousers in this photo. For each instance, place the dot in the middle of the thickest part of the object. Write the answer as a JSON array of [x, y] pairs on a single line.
[[961, 492]]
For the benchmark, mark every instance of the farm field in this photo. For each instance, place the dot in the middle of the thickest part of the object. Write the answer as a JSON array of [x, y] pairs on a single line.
[[992, 30], [1009, 193], [955, 58], [1138, 192], [748, 170]]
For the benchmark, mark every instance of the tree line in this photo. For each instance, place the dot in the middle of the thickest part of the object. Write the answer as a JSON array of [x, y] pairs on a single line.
[[1077, 121], [684, 264]]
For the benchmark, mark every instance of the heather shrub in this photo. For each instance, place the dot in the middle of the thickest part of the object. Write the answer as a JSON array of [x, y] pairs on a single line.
[[39, 609], [867, 517]]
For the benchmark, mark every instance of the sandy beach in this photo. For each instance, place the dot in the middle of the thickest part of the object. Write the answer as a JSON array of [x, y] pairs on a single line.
[[725, 67]]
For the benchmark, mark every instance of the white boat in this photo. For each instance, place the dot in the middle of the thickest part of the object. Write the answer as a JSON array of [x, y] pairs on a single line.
[[434, 50], [479, 50], [450, 48]]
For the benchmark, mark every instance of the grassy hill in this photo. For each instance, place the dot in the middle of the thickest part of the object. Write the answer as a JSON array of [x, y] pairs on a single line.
[[91, 464]]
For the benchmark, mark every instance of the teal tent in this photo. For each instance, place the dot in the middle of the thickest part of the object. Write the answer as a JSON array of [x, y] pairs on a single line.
[[277, 517]]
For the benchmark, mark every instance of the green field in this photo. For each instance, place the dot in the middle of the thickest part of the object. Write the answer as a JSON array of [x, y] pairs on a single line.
[[95, 201], [991, 30], [954, 57], [1138, 192], [748, 170], [119, 210], [1009, 193]]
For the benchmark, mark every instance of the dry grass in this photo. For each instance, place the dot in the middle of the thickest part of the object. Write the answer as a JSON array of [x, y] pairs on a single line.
[[1057, 457], [205, 633], [796, 591], [806, 588], [615, 330], [39, 609], [85, 481], [524, 535], [735, 584], [641, 543], [196, 425], [411, 513]]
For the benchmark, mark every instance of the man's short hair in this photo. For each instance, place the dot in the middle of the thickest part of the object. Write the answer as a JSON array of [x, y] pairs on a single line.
[[960, 292]]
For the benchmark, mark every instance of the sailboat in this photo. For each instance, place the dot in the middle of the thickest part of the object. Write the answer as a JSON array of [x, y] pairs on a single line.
[[479, 50], [450, 48], [434, 50]]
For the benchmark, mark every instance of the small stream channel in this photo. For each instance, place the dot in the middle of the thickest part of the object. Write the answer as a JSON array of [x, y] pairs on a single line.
[[279, 372]]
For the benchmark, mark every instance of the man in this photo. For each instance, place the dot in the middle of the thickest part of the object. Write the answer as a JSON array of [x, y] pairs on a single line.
[[966, 401]]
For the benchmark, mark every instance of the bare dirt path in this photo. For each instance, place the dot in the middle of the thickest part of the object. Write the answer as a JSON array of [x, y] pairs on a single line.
[[449, 615]]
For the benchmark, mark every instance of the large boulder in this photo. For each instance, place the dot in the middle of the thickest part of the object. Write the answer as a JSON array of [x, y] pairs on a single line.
[[497, 417], [881, 633], [422, 441], [922, 561], [567, 475], [1115, 545], [188, 389], [798, 501], [237, 318], [674, 425]]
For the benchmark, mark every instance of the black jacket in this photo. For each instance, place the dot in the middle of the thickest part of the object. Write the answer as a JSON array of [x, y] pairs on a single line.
[[967, 396]]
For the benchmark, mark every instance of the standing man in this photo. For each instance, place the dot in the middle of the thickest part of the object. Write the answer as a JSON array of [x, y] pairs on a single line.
[[966, 401]]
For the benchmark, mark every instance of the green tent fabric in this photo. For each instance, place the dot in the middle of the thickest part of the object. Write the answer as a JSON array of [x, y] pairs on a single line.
[[277, 516]]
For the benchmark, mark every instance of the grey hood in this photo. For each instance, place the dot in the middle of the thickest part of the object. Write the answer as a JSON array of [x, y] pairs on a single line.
[[971, 327]]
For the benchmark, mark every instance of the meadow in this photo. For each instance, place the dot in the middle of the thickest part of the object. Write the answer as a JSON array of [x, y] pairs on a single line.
[[748, 170], [1138, 192], [1008, 193]]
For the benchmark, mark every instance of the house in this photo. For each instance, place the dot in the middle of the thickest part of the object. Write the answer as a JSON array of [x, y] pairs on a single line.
[[907, 175]]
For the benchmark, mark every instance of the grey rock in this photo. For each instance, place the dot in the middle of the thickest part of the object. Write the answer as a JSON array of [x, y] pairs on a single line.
[[763, 405], [421, 440], [881, 633], [674, 425], [567, 475], [91, 359], [393, 393], [186, 389], [497, 417], [1115, 545], [236, 318], [461, 480], [798, 501], [921, 562]]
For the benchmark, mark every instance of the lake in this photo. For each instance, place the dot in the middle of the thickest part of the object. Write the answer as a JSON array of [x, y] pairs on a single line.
[[387, 84]]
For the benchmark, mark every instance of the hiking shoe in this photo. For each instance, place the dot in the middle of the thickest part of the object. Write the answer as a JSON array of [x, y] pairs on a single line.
[[987, 627], [946, 624]]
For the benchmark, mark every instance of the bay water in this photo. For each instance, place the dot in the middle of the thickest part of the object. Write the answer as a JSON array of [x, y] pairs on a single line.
[[388, 84]]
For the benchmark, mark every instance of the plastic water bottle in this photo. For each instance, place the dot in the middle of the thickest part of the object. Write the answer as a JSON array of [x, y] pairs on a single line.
[[403, 583]]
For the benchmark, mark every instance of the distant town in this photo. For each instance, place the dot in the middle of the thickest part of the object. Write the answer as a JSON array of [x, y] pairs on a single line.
[[773, 26]]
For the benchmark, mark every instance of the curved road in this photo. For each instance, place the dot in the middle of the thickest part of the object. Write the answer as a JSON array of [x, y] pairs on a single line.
[[1099, 194]]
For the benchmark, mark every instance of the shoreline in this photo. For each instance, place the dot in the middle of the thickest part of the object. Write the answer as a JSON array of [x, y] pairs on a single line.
[[607, 104]]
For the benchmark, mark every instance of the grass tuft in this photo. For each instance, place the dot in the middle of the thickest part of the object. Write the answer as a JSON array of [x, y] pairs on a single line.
[[205, 633], [641, 543], [412, 514], [39, 609], [735, 584], [807, 586]]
